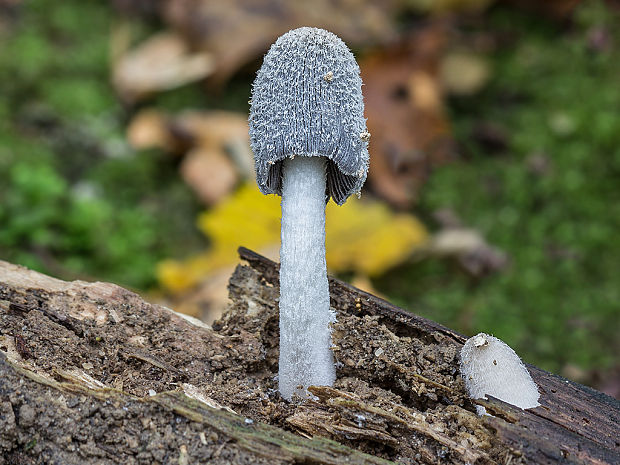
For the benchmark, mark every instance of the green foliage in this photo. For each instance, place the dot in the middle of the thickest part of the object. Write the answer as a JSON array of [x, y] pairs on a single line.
[[83, 229], [75, 201], [557, 98]]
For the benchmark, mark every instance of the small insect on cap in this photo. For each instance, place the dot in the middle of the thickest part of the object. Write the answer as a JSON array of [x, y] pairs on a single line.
[[307, 101]]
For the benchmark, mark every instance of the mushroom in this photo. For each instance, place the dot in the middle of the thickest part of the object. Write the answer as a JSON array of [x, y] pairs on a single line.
[[490, 367], [309, 138]]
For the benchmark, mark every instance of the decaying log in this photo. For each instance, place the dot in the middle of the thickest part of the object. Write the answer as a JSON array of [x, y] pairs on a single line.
[[91, 374]]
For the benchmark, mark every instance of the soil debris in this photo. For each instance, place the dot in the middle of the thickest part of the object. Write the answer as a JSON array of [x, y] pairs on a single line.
[[92, 373]]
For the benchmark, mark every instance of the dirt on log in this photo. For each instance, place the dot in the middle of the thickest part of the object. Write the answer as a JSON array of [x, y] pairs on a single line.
[[92, 374]]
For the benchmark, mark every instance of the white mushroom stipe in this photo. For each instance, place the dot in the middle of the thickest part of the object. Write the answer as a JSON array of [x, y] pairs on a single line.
[[307, 104], [305, 315], [490, 367]]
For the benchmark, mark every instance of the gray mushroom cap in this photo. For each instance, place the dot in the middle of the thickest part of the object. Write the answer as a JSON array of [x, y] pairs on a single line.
[[307, 101]]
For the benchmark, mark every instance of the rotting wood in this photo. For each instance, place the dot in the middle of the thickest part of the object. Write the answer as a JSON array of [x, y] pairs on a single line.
[[574, 424], [398, 396], [94, 412]]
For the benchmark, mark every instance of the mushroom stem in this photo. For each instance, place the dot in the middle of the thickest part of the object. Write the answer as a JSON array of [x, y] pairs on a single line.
[[305, 315]]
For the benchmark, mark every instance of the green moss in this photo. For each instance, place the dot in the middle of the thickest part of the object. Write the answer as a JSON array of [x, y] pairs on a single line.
[[557, 302], [75, 200]]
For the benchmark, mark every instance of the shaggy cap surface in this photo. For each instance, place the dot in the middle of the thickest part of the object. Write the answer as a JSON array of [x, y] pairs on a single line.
[[307, 101]]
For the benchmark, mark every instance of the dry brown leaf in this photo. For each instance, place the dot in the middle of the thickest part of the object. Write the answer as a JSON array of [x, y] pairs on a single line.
[[211, 128], [237, 32], [149, 129], [162, 62], [218, 130], [471, 250], [404, 105], [210, 173], [215, 144]]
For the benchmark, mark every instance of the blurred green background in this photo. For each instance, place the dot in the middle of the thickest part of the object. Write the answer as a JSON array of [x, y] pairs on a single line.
[[535, 169]]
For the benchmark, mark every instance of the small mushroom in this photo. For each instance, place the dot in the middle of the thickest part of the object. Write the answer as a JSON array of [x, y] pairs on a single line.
[[305, 135], [490, 367]]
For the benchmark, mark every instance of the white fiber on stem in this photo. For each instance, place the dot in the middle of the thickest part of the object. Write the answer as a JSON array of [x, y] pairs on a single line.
[[490, 367], [305, 315]]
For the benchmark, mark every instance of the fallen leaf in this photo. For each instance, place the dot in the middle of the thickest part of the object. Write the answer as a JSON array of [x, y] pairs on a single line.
[[210, 173], [574, 372], [238, 32], [224, 129], [404, 105], [247, 218], [149, 129], [361, 236], [215, 145], [456, 241], [367, 237], [471, 250], [162, 62]]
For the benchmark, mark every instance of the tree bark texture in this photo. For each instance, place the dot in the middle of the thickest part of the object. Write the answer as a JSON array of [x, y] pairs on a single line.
[[92, 374]]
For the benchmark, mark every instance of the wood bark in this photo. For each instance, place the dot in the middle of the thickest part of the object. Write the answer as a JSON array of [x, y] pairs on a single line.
[[92, 374]]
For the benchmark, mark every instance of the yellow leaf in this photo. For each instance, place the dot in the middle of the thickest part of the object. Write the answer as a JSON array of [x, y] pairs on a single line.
[[366, 237], [247, 218], [362, 236]]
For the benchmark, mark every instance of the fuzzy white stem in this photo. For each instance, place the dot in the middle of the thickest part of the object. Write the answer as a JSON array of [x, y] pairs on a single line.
[[305, 335]]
